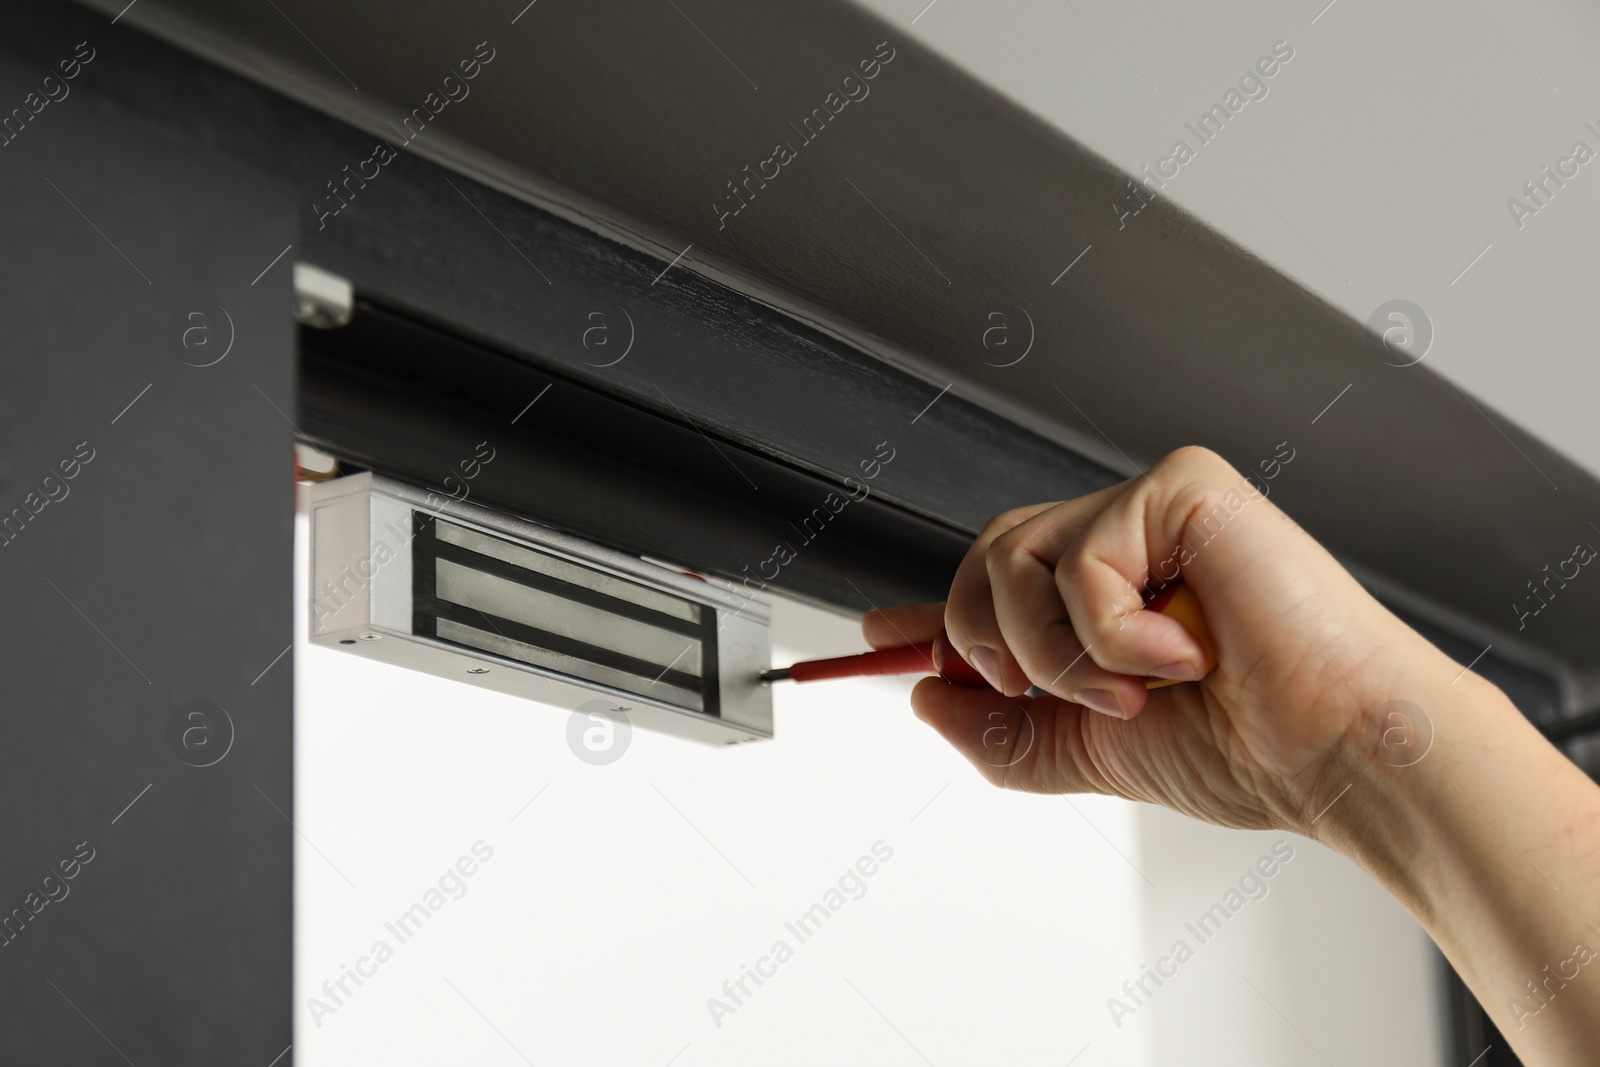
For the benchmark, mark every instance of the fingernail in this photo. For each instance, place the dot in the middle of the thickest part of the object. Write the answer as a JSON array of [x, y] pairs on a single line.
[[1176, 672], [1099, 700], [987, 662]]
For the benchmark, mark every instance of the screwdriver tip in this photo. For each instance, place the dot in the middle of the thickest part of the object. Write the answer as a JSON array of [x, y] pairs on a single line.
[[775, 674]]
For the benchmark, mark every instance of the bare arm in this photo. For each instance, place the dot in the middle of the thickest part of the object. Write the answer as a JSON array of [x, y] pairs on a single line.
[[1492, 841], [1320, 712]]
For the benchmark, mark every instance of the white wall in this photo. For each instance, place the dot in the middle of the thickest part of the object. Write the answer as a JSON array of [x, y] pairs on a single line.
[[620, 900], [1323, 967], [604, 919]]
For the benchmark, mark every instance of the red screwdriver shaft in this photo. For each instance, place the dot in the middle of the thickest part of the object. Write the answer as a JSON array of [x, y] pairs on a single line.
[[940, 656], [934, 657]]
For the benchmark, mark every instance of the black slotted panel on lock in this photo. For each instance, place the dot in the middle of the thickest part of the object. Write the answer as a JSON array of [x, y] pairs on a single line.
[[492, 595]]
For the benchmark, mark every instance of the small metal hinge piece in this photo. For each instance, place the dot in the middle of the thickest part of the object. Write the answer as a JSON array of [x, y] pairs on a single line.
[[321, 299]]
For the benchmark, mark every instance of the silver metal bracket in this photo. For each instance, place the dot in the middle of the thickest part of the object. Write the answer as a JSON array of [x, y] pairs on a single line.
[[475, 595], [321, 299]]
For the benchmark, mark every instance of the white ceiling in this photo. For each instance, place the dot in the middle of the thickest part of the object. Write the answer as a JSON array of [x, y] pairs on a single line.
[[1377, 167]]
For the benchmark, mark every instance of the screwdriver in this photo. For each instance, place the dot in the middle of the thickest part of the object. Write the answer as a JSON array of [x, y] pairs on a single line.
[[941, 658]]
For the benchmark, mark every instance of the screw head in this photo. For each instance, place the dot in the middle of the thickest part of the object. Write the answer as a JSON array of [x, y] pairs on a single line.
[[479, 670], [370, 637]]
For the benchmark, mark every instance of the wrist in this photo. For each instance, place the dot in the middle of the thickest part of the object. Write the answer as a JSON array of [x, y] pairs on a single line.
[[1406, 707], [1394, 792], [1486, 835], [1456, 804]]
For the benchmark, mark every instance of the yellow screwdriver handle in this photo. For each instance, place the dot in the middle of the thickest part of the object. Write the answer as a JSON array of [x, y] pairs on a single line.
[[1179, 602]]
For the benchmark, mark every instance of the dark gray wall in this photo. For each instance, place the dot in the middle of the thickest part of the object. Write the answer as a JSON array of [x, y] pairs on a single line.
[[161, 576]]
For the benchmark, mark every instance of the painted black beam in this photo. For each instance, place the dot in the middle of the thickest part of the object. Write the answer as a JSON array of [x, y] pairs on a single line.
[[418, 403], [924, 215]]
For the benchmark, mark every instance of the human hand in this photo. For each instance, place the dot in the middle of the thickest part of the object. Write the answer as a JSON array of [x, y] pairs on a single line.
[[1049, 596]]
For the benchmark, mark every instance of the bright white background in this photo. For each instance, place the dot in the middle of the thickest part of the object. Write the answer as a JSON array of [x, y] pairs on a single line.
[[624, 896]]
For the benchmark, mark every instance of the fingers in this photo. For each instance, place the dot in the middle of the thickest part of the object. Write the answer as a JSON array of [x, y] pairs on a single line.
[[1033, 744], [1063, 586], [1036, 626], [1051, 595], [1101, 572], [970, 617], [910, 624]]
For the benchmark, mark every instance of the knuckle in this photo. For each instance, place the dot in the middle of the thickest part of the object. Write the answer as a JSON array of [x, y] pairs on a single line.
[[1006, 552], [996, 526], [1208, 507], [1069, 568], [1104, 622], [1002, 522], [1207, 491], [965, 630], [1197, 460], [1012, 516]]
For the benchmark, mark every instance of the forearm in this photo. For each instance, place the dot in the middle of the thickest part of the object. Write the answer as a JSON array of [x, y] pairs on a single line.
[[1492, 840], [1483, 830]]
